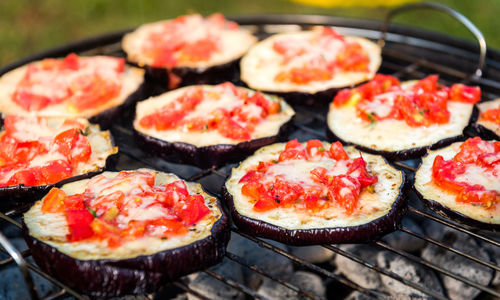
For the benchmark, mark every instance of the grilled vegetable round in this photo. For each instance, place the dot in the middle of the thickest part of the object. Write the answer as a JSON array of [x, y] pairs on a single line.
[[464, 190], [128, 233], [401, 120], [308, 66], [305, 194], [210, 125], [38, 153], [488, 122], [189, 49]]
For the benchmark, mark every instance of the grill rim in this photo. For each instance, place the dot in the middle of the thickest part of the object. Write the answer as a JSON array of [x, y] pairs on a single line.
[[400, 31]]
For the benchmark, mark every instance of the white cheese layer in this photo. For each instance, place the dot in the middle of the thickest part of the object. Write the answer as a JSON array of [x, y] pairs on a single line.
[[370, 207], [232, 45], [130, 80], [484, 106], [261, 64], [268, 127], [391, 134], [51, 228], [431, 191]]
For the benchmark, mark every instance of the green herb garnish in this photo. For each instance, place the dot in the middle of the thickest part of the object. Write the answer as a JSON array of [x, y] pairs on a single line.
[[84, 133], [92, 211]]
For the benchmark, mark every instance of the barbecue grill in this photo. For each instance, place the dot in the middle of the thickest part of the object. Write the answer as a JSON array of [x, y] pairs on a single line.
[[408, 53]]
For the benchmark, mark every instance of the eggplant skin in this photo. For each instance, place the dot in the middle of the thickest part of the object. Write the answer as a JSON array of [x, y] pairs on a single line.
[[138, 275], [317, 99], [485, 133], [206, 156], [448, 213], [370, 231], [192, 76], [402, 154]]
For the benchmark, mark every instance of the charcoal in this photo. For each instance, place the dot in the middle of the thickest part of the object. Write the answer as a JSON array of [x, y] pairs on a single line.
[[494, 253], [313, 254], [405, 241], [359, 296], [13, 286], [308, 282], [357, 272], [267, 260], [411, 271], [212, 288], [460, 265]]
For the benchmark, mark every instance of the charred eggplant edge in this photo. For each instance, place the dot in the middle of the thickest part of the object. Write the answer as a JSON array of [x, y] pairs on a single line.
[[367, 232], [207, 156], [138, 275]]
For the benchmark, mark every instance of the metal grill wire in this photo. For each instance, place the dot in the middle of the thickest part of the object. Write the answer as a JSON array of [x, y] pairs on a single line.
[[397, 63]]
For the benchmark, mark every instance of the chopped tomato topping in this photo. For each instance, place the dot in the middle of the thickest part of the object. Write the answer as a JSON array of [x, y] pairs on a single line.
[[423, 104], [270, 190], [54, 201], [311, 59], [474, 154], [85, 82], [462, 93], [126, 207], [79, 221], [491, 115], [39, 159], [174, 43], [236, 121]]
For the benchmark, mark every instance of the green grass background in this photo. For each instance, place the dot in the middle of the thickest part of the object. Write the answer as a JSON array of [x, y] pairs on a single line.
[[28, 26]]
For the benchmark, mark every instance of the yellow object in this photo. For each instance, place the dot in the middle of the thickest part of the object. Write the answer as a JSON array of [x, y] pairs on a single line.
[[347, 3]]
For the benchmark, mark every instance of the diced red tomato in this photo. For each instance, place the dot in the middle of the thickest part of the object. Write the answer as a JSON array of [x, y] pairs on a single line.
[[70, 62], [53, 202], [463, 93], [92, 92], [315, 147], [55, 171], [170, 227], [357, 169], [24, 97], [444, 173], [251, 176], [330, 32], [353, 58], [304, 75], [201, 50], [27, 177], [106, 231], [191, 210], [231, 129], [79, 221], [293, 150], [74, 145], [337, 151], [491, 115]]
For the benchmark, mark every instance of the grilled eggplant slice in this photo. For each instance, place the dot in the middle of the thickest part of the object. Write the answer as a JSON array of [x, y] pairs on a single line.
[[97, 88], [488, 122], [210, 125], [308, 66], [189, 49], [33, 160], [445, 202], [395, 125], [174, 242], [379, 209]]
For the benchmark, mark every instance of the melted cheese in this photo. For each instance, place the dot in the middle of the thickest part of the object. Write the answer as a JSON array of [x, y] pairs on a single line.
[[261, 64], [371, 206], [232, 45], [484, 106], [432, 192], [395, 135], [130, 80], [268, 127], [52, 228]]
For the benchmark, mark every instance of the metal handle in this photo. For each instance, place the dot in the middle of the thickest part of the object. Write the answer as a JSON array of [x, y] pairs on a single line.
[[458, 16], [21, 263]]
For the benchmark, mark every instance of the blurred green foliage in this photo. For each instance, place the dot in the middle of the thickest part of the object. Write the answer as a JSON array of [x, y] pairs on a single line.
[[29, 25]]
